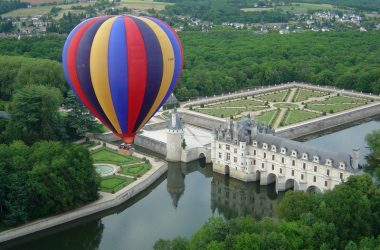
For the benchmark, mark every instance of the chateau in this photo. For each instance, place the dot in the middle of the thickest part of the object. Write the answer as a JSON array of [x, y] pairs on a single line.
[[248, 151]]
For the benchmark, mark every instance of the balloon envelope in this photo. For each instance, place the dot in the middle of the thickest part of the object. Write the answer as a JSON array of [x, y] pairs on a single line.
[[123, 68]]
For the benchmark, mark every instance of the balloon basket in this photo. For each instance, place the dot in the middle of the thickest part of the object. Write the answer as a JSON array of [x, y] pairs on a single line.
[[126, 149]]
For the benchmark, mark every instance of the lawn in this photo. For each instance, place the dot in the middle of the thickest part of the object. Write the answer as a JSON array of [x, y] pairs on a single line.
[[285, 105], [144, 4], [106, 155], [135, 170], [237, 103], [255, 9], [266, 117], [295, 116], [333, 107], [342, 99], [304, 94], [274, 97], [221, 112], [113, 184]]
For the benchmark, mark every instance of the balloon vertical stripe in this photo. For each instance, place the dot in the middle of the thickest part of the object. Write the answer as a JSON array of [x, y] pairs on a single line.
[[123, 68], [99, 71], [137, 72], [154, 66], [118, 71], [168, 66]]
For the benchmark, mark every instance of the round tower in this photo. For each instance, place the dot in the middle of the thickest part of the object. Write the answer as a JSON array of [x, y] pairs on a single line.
[[174, 138]]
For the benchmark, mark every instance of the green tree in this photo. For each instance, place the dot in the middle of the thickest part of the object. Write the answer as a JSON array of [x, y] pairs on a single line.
[[34, 113]]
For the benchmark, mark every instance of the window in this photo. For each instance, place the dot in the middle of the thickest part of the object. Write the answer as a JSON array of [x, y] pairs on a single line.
[[228, 156], [280, 170], [282, 159], [254, 152], [220, 145], [316, 159], [315, 179], [254, 143], [220, 155], [301, 176], [265, 155], [304, 156], [273, 157], [272, 166], [292, 172], [304, 166], [325, 183], [328, 172], [341, 165], [293, 162], [283, 151], [262, 165], [254, 162], [273, 148], [265, 146], [328, 162], [235, 150], [315, 168], [341, 176], [227, 147], [235, 159], [294, 153]]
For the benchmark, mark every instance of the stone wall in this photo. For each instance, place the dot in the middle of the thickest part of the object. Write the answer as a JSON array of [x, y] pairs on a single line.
[[199, 120], [151, 144], [156, 126], [329, 122]]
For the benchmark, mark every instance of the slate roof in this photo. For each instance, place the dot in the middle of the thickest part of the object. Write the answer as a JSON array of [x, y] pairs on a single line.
[[4, 115], [177, 123], [300, 148]]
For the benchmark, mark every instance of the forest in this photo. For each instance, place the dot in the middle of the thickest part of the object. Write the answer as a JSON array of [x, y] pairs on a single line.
[[227, 60], [346, 217], [9, 5]]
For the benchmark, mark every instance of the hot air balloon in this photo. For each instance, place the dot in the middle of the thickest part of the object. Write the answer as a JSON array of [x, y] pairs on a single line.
[[123, 68]]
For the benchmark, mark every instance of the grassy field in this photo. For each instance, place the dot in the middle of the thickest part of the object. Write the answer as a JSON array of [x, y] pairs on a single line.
[[295, 116], [304, 94], [299, 8], [332, 108], [113, 184], [256, 9], [238, 103], [274, 97], [88, 144], [110, 156], [286, 105], [266, 117], [221, 112], [342, 99], [135, 170], [144, 4]]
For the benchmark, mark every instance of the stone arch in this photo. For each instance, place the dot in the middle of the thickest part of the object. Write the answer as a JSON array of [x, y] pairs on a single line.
[[291, 184], [227, 169], [271, 178], [258, 175], [313, 189], [202, 160]]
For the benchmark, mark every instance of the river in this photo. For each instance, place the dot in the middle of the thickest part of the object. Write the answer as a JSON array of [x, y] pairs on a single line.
[[181, 201]]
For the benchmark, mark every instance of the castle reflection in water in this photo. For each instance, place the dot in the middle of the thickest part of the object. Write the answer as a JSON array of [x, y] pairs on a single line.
[[229, 197]]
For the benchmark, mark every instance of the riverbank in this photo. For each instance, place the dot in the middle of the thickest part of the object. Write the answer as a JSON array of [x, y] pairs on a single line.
[[106, 201]]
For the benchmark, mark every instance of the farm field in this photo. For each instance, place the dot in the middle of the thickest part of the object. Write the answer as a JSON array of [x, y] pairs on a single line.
[[298, 8]]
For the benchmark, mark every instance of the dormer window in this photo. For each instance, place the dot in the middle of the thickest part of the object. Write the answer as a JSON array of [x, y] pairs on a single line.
[[305, 156], [328, 162], [273, 148], [254, 143], [265, 146], [283, 150], [294, 153], [316, 159], [342, 165]]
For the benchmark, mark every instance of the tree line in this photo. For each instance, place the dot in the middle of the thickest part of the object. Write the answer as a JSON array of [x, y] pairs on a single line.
[[9, 5], [43, 179], [346, 217]]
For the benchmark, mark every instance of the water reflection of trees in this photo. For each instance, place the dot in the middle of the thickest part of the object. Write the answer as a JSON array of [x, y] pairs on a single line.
[[232, 198], [85, 236]]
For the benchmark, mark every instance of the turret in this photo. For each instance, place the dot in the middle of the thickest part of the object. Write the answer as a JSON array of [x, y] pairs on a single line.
[[355, 158], [174, 138]]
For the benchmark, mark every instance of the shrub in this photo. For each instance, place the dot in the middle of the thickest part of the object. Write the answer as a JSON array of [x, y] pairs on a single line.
[[331, 111], [202, 105]]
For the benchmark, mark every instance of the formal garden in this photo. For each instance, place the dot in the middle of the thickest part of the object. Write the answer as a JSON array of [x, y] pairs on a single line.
[[283, 107], [130, 168]]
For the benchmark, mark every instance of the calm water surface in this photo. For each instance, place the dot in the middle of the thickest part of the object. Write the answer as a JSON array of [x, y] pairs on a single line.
[[180, 202]]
